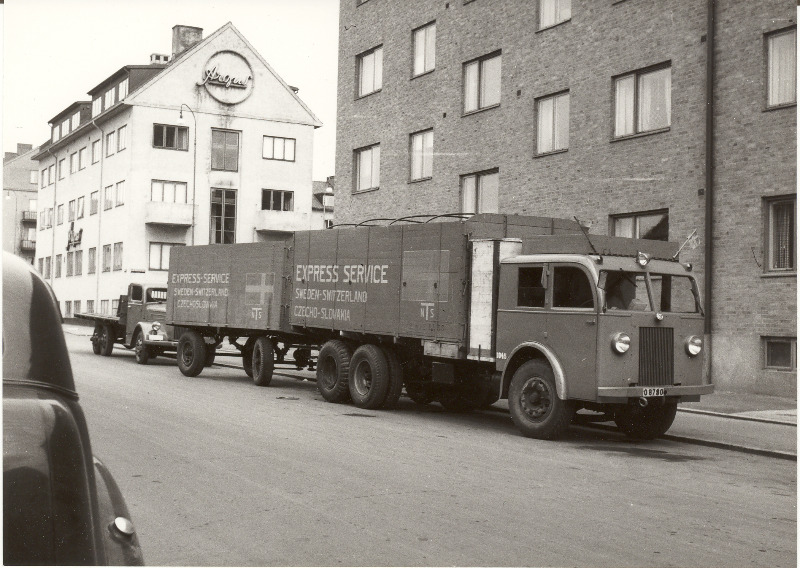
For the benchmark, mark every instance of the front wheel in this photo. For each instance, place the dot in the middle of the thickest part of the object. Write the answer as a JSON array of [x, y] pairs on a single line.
[[263, 361], [534, 404], [140, 349], [191, 353], [646, 423]]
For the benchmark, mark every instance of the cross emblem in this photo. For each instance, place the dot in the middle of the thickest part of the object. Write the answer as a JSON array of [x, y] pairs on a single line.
[[258, 289]]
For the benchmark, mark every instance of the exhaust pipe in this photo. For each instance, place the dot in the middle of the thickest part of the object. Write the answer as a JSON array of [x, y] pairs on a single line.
[[643, 402]]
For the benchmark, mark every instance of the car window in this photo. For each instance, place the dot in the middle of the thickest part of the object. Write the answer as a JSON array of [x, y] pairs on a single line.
[[626, 291], [530, 287], [136, 293], [571, 288], [674, 293]]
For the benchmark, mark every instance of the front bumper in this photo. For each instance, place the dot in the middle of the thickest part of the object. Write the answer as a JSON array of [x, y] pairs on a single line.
[[622, 394], [161, 341]]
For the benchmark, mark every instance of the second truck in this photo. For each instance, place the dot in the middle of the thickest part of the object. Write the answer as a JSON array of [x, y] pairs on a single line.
[[463, 312]]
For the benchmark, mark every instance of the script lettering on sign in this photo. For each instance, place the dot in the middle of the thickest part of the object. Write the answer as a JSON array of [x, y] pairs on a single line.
[[216, 78]]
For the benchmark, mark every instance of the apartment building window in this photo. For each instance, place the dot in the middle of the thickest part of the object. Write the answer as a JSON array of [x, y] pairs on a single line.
[[104, 306], [73, 162], [223, 216], [108, 197], [97, 106], [122, 141], [70, 262], [552, 128], [422, 155], [41, 266], [33, 205], [224, 150], [482, 83], [643, 101], [54, 134], [108, 98], [92, 261], [119, 194], [653, 225], [117, 256], [95, 151], [71, 210], [782, 67], [82, 158], [79, 208], [276, 148], [110, 144], [368, 168], [170, 137], [780, 353], [552, 12], [78, 263], [94, 202], [75, 120], [43, 178], [47, 267], [51, 178], [90, 306], [115, 307], [60, 214], [168, 191], [67, 309], [61, 172], [370, 71], [159, 255], [424, 49], [58, 267], [65, 128], [106, 258], [34, 176], [123, 89], [781, 237], [480, 192], [76, 306], [277, 200]]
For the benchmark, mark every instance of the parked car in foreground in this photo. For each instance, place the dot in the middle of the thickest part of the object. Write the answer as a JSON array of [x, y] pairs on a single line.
[[61, 506]]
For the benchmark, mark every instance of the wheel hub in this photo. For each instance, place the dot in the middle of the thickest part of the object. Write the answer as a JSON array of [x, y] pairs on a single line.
[[363, 378], [536, 398]]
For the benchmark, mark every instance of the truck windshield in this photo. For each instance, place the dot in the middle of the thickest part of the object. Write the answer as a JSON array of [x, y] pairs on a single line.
[[674, 294], [157, 295], [626, 291]]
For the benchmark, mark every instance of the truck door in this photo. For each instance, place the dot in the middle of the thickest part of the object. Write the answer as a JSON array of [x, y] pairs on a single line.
[[522, 312], [134, 312]]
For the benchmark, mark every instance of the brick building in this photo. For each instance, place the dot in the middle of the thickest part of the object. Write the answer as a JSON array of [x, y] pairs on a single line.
[[642, 118], [20, 185]]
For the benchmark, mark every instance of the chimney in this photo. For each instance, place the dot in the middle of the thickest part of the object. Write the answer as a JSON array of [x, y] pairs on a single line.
[[8, 156], [22, 148], [159, 58], [184, 37]]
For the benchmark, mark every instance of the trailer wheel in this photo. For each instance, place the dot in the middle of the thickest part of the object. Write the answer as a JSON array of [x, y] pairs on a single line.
[[534, 405], [395, 379], [247, 356], [333, 367], [211, 354], [263, 361], [140, 349], [646, 423], [106, 340], [191, 353], [368, 377]]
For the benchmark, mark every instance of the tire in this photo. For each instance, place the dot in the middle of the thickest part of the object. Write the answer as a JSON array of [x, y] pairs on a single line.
[[302, 356], [368, 377], [464, 398], [106, 340], [142, 352], [333, 368], [191, 353], [646, 423], [263, 361], [211, 354], [395, 380], [534, 405], [420, 393], [98, 329], [247, 357]]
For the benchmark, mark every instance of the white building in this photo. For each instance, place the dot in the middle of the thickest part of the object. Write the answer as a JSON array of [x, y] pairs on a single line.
[[208, 145]]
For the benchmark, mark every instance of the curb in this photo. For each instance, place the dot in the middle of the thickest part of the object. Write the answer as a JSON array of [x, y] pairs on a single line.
[[737, 417]]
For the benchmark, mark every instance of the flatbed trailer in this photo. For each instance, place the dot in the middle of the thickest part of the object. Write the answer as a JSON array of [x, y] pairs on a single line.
[[462, 312]]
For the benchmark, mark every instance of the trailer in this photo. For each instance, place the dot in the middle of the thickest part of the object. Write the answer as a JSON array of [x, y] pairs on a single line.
[[138, 324], [462, 312]]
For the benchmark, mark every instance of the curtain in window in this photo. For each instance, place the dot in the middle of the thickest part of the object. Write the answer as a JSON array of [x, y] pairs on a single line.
[[654, 100], [544, 134], [490, 82], [471, 87], [782, 68], [562, 122], [488, 193], [624, 106], [468, 194], [422, 155], [783, 236], [424, 49]]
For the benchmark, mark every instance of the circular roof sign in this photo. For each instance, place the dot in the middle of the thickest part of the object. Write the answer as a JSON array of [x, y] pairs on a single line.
[[227, 77]]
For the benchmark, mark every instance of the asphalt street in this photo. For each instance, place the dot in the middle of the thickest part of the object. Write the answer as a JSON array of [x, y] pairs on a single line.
[[217, 471]]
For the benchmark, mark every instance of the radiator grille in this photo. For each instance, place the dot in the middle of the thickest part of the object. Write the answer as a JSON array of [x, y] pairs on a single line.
[[656, 366]]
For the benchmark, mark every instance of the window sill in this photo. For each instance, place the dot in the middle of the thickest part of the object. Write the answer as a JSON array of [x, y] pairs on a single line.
[[168, 148], [787, 274], [368, 190], [228, 171], [551, 26], [277, 160], [480, 110], [423, 74], [551, 153], [640, 134], [365, 95], [779, 107]]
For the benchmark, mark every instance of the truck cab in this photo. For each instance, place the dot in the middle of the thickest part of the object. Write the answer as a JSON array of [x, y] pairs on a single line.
[[143, 321]]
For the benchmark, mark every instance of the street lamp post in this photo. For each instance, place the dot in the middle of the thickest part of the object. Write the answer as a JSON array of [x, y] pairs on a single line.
[[194, 161]]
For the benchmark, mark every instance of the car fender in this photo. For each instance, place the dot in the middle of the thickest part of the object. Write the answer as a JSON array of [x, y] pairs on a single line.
[[552, 359]]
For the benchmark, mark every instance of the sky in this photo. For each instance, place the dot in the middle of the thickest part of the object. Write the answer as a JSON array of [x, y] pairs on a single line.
[[54, 51]]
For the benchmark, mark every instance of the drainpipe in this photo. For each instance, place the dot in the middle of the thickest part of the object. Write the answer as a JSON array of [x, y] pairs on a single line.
[[709, 194], [55, 217], [99, 250]]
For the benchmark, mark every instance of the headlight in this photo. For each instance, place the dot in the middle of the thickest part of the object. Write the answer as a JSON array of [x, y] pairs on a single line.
[[156, 326], [621, 342], [642, 259], [694, 345]]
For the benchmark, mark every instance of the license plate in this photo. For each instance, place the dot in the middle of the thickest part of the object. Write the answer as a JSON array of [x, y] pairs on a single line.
[[652, 392], [161, 338]]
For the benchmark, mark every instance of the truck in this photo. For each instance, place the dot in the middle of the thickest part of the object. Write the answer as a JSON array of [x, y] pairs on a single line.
[[138, 324], [461, 311]]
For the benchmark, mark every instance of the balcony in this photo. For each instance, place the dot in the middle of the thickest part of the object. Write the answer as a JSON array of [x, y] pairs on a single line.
[[269, 221], [161, 213], [29, 216], [27, 245]]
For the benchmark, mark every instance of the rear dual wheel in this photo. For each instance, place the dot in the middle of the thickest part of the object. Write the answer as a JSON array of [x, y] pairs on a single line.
[[333, 368], [369, 377], [103, 343], [191, 353]]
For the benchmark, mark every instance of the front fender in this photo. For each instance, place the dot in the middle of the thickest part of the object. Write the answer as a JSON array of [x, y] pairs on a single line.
[[518, 355], [121, 549]]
